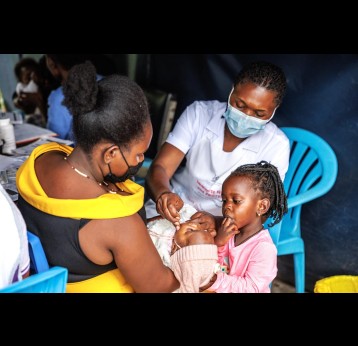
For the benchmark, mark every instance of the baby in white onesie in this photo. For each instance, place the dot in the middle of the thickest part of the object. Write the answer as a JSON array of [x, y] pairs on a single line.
[[189, 252], [162, 232]]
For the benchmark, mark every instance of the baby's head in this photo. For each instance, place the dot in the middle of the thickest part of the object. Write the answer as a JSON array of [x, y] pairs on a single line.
[[162, 232], [189, 234], [167, 240], [24, 70]]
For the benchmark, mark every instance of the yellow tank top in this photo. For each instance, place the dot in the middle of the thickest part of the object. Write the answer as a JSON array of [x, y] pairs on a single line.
[[106, 206]]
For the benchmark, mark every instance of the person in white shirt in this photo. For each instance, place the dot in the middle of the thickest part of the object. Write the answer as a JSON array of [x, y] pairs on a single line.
[[215, 138], [14, 252]]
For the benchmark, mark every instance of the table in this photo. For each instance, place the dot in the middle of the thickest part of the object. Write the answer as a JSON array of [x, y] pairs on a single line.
[[8, 168], [27, 137], [26, 133]]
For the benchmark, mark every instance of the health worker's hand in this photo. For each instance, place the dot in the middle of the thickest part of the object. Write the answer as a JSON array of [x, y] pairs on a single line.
[[168, 205]]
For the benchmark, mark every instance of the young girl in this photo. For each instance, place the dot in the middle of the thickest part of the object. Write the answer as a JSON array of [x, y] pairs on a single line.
[[250, 195]]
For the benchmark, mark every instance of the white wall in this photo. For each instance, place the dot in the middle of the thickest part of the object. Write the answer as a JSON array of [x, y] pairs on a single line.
[[7, 77]]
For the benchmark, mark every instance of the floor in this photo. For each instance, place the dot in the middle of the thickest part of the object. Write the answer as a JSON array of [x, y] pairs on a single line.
[[279, 286]]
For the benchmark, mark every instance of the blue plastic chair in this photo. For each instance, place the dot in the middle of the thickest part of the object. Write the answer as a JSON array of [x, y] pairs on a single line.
[[311, 173], [140, 179], [53, 280], [38, 260]]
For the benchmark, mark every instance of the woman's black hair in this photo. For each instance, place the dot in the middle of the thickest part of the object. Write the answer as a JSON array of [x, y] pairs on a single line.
[[49, 81], [114, 109], [266, 180], [67, 61], [104, 64], [266, 75]]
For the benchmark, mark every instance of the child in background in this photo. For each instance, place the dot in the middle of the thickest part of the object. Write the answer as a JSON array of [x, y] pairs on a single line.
[[190, 252], [35, 84], [251, 194], [24, 71]]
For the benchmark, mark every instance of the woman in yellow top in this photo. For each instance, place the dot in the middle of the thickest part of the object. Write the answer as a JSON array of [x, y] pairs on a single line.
[[81, 202]]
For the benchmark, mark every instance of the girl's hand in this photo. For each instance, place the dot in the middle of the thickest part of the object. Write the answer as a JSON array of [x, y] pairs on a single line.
[[227, 229]]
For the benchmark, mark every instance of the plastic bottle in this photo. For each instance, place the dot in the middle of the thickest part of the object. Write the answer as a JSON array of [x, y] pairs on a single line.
[[7, 134], [2, 102]]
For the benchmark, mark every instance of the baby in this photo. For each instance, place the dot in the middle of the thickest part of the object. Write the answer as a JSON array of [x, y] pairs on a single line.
[[24, 71], [28, 95], [162, 232], [190, 252]]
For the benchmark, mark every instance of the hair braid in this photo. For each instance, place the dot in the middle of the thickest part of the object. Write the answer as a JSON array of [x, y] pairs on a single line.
[[266, 180]]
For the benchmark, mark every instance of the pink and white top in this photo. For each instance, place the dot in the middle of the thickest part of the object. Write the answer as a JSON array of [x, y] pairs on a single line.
[[252, 265]]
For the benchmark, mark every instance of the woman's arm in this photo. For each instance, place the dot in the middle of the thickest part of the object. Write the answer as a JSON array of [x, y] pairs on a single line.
[[127, 241], [160, 172]]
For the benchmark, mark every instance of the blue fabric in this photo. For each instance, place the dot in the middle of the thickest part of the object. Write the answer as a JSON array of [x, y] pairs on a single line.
[[59, 117]]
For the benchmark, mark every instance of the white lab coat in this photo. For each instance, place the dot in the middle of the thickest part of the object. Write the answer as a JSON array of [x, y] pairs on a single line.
[[199, 133]]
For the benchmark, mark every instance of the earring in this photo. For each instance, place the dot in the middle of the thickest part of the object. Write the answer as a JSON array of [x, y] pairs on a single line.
[[258, 213]]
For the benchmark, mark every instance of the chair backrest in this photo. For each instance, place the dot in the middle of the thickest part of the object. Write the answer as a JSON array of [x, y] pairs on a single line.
[[312, 170], [313, 166], [311, 173], [38, 260], [140, 176], [53, 280], [162, 106]]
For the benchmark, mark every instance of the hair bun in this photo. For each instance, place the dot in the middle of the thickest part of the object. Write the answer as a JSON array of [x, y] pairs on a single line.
[[81, 89]]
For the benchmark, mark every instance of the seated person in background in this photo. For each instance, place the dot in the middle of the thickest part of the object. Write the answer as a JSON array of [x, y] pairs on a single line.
[[46, 82], [190, 252], [14, 251], [59, 118], [251, 194]]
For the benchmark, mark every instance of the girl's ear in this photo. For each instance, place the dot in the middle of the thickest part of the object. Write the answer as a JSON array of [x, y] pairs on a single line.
[[263, 206]]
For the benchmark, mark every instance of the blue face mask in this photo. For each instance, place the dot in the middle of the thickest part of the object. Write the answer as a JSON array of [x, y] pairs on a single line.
[[242, 125]]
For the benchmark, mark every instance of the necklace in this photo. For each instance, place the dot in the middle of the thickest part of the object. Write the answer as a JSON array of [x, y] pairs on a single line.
[[248, 236], [103, 184]]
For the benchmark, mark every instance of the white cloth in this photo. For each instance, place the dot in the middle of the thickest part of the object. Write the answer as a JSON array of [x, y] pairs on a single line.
[[199, 133], [14, 253], [162, 232], [31, 87]]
